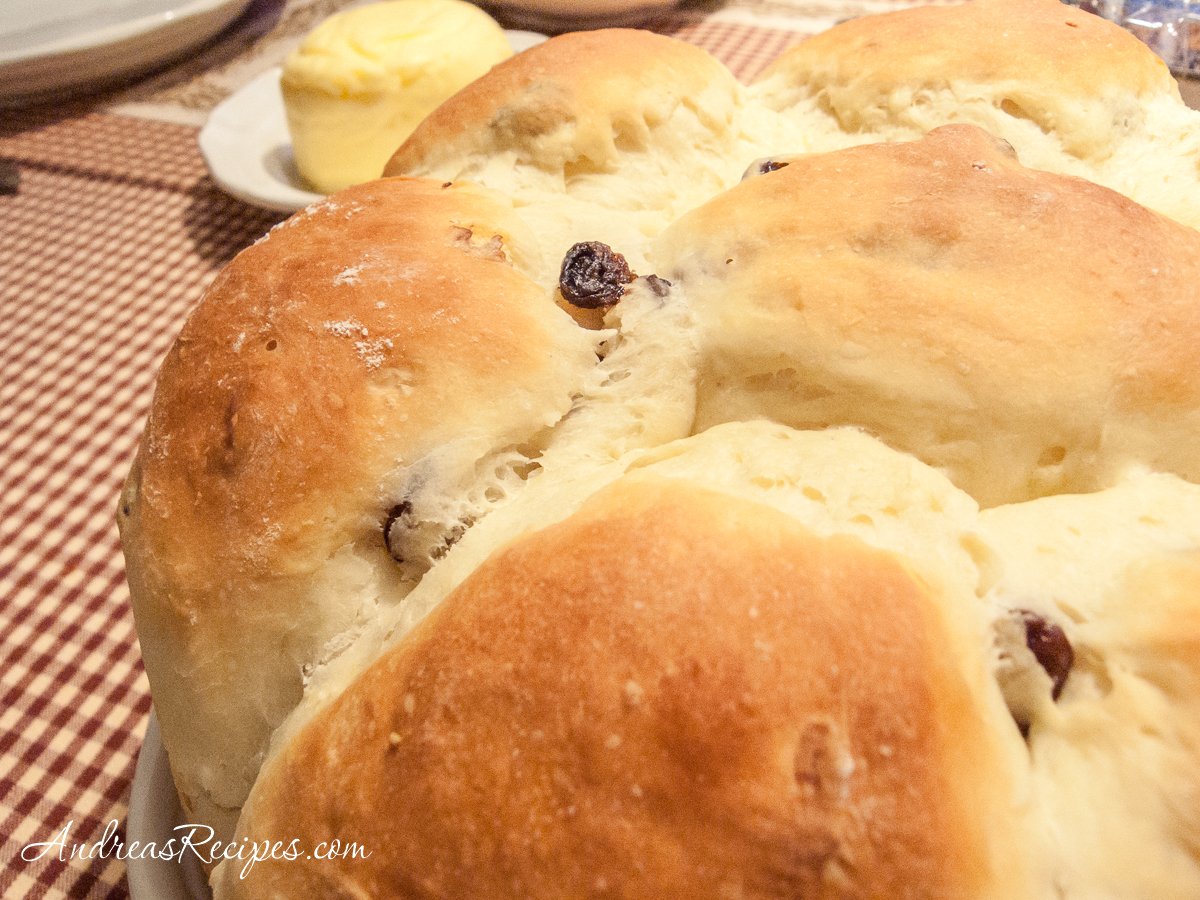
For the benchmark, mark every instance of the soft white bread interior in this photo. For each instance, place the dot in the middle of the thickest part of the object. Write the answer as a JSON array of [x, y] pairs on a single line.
[[610, 116], [605, 135], [1073, 93]]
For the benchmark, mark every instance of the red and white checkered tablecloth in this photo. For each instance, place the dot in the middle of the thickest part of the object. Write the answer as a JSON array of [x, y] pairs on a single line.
[[113, 235]]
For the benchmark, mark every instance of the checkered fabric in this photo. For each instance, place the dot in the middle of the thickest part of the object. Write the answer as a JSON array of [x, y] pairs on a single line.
[[113, 235]]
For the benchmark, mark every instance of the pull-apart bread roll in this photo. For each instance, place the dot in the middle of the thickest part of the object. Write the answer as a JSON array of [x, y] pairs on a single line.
[[694, 686], [350, 394], [1029, 333], [1072, 92], [538, 604], [610, 116]]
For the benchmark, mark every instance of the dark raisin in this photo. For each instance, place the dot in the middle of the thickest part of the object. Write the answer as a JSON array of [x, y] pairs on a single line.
[[660, 287], [398, 513], [1050, 647], [593, 275]]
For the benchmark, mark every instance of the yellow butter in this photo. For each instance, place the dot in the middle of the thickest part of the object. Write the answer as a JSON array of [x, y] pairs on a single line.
[[359, 84]]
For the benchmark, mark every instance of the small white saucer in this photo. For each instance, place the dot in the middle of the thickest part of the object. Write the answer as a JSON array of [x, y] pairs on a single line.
[[248, 151]]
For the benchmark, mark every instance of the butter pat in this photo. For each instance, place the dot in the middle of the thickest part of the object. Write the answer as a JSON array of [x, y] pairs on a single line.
[[359, 84]]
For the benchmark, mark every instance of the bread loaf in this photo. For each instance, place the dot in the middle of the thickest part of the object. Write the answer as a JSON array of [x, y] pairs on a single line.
[[842, 541]]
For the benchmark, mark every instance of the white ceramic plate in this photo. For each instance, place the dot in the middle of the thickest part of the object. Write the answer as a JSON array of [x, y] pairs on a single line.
[[246, 146], [153, 812], [49, 48]]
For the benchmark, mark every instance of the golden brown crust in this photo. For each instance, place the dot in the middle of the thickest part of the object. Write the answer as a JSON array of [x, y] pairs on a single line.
[[1029, 332], [301, 351], [674, 693], [573, 100], [328, 369]]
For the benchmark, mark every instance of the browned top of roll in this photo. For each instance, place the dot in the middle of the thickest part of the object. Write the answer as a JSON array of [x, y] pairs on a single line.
[[354, 354], [577, 96], [674, 693], [361, 334]]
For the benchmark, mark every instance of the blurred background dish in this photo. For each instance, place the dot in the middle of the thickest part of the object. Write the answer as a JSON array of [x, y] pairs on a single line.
[[49, 49], [1189, 88]]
